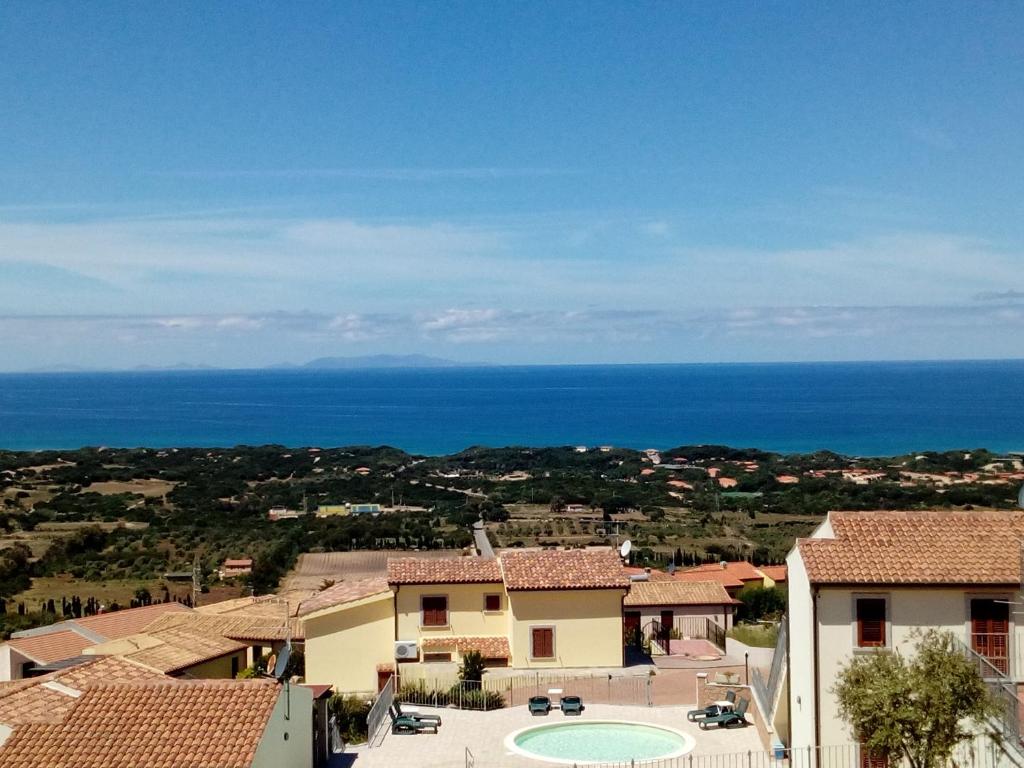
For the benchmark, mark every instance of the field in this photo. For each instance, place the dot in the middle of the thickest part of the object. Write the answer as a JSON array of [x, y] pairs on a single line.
[[150, 487], [313, 568]]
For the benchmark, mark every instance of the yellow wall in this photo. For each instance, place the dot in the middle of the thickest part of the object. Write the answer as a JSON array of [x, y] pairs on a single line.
[[344, 646], [466, 617], [588, 627], [215, 669], [292, 716]]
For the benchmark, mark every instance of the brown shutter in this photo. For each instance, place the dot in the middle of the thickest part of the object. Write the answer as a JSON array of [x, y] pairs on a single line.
[[870, 759], [543, 643], [435, 611], [870, 622]]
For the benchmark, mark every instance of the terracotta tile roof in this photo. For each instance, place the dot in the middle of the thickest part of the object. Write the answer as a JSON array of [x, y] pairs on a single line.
[[129, 621], [978, 547], [171, 650], [449, 570], [489, 647], [53, 646], [563, 569], [738, 569], [653, 574], [344, 592], [38, 700], [232, 625], [677, 593], [208, 723], [723, 577], [776, 573]]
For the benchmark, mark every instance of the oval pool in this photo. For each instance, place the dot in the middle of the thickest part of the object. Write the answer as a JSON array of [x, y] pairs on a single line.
[[598, 741]]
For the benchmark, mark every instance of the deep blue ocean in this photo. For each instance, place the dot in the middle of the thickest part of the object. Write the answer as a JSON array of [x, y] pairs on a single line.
[[852, 408]]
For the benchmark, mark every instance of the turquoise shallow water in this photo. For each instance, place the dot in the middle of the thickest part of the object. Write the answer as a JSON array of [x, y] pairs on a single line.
[[854, 408], [601, 742]]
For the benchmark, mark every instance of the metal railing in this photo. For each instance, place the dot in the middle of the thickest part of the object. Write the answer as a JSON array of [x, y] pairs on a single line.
[[1003, 691], [979, 752], [497, 691], [715, 633], [767, 691], [659, 636], [378, 714]]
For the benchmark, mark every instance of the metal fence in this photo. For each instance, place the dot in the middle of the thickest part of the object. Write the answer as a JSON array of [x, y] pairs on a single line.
[[378, 714], [980, 752], [715, 633], [498, 691], [1003, 691], [767, 691]]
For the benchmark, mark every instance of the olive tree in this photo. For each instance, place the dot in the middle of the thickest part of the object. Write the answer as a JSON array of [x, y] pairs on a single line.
[[918, 709]]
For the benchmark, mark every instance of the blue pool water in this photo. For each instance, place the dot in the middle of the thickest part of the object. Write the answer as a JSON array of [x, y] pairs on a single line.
[[853, 408], [601, 742]]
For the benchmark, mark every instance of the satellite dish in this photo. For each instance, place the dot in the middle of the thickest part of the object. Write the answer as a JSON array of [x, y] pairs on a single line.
[[1020, 498], [282, 661], [671, 568], [625, 549]]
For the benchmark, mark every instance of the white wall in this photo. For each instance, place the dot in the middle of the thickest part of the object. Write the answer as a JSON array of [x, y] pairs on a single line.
[[911, 610], [11, 663], [801, 654], [288, 742]]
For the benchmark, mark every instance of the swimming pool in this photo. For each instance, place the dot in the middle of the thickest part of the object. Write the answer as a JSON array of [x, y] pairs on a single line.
[[598, 741]]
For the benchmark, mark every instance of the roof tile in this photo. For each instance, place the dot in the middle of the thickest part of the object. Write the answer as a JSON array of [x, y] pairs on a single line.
[[449, 570], [677, 593], [563, 569], [489, 647], [969, 547], [343, 592], [173, 724]]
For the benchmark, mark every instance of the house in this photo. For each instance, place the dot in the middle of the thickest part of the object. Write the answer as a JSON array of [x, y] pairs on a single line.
[[683, 606], [538, 609], [179, 651], [171, 724], [232, 568], [36, 651], [734, 576], [774, 575], [49, 697], [865, 581]]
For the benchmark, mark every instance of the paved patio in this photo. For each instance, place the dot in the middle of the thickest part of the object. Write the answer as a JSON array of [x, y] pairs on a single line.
[[484, 734]]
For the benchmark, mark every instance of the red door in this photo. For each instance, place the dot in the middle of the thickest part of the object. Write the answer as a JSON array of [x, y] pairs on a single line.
[[667, 622], [631, 628], [990, 632]]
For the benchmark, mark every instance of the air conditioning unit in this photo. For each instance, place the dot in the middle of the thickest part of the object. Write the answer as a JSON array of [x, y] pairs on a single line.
[[406, 649]]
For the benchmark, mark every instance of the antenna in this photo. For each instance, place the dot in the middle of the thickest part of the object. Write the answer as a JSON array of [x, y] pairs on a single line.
[[625, 549]]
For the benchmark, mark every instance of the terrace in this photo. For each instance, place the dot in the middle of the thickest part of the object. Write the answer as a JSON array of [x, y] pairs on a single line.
[[478, 738]]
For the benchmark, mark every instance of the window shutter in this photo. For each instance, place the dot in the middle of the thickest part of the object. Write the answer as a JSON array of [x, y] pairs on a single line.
[[435, 611], [871, 622], [543, 643]]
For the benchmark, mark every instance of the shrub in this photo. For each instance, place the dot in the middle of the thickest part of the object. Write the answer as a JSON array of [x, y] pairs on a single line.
[[350, 716]]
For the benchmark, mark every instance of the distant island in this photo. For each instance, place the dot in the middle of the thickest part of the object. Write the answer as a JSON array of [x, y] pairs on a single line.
[[319, 364]]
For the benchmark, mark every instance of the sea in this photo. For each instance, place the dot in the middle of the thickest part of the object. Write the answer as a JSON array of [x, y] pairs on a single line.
[[867, 409]]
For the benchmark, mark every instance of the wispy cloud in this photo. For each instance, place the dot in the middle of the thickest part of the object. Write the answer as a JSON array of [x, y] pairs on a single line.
[[1009, 295], [412, 174]]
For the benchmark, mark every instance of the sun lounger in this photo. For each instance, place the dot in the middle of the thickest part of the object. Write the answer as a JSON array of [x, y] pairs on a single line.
[[571, 705], [539, 705], [409, 725], [728, 719], [710, 711], [415, 715]]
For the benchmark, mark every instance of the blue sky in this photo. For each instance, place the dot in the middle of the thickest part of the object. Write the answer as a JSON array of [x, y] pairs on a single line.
[[248, 183]]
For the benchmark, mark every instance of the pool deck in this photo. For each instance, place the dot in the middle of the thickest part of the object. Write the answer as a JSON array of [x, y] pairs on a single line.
[[484, 733]]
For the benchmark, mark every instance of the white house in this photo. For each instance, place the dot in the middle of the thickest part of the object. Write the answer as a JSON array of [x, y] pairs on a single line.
[[865, 581]]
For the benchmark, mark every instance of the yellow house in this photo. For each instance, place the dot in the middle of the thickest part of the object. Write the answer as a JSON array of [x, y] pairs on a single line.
[[524, 609]]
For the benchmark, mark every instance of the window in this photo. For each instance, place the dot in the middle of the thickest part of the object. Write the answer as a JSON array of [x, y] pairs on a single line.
[[436, 657], [990, 631], [542, 643], [871, 622], [434, 611], [492, 603]]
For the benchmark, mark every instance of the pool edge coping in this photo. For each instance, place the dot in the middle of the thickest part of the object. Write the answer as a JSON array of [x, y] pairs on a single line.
[[690, 743]]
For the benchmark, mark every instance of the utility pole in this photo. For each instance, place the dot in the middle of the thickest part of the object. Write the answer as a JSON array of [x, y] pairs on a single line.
[[197, 576]]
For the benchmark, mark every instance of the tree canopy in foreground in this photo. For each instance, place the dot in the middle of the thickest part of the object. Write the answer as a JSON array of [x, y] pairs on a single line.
[[919, 709]]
